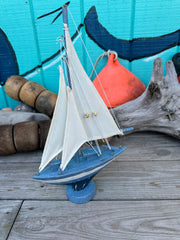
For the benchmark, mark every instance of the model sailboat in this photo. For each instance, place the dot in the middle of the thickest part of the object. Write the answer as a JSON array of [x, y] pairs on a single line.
[[80, 116]]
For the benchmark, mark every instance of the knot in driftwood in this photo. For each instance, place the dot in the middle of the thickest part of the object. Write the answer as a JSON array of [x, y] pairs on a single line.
[[154, 91]]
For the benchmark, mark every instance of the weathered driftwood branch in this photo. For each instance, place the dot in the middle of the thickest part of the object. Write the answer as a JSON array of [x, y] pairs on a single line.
[[158, 108]]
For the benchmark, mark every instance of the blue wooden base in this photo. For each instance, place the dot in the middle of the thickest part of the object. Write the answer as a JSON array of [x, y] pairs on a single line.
[[81, 196]]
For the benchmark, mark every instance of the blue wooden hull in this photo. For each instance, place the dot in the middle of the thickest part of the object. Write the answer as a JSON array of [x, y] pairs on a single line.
[[81, 168]]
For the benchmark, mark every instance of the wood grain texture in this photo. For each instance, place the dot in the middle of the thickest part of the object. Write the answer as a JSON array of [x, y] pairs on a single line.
[[149, 146], [31, 157], [150, 220], [140, 147], [148, 169], [8, 212], [137, 196], [157, 109]]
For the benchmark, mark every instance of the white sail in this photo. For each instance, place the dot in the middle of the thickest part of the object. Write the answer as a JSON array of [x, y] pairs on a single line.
[[55, 139], [75, 133], [87, 117], [80, 114]]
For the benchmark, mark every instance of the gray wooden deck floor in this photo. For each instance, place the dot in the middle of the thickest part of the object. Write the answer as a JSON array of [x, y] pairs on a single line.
[[138, 196]]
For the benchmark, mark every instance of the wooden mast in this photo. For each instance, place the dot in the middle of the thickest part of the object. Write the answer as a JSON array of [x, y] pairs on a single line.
[[65, 23]]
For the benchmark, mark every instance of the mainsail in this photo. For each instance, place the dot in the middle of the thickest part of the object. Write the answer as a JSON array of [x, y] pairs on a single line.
[[80, 113]]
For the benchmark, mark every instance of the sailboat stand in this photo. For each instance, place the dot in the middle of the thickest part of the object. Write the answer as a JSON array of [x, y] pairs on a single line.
[[80, 117]]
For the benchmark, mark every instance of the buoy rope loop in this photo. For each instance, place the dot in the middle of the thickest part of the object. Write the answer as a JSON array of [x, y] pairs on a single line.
[[109, 52]]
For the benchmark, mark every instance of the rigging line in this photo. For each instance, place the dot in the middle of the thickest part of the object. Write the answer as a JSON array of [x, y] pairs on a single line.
[[111, 109], [74, 37], [107, 143], [60, 47], [94, 70], [107, 53], [99, 149], [65, 69], [97, 60], [85, 96], [94, 149]]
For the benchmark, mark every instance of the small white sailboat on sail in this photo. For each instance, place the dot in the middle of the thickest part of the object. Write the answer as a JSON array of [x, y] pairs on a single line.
[[80, 116]]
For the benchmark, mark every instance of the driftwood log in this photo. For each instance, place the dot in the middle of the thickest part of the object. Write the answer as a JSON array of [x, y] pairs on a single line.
[[158, 108]]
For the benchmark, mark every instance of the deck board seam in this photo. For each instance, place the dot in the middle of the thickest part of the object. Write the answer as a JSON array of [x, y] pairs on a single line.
[[95, 200], [124, 161], [14, 219]]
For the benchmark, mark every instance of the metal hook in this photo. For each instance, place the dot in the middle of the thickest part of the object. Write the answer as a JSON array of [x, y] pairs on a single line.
[[64, 58], [112, 52], [61, 38]]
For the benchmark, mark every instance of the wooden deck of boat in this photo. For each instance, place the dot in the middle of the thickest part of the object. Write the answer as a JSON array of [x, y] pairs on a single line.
[[138, 196]]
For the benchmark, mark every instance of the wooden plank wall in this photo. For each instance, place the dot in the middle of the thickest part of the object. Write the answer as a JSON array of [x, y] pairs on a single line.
[[35, 40]]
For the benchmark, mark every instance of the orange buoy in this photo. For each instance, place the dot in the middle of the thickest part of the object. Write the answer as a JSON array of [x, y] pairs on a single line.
[[116, 84]]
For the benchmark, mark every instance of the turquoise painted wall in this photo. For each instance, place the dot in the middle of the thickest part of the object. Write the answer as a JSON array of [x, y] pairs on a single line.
[[35, 40]]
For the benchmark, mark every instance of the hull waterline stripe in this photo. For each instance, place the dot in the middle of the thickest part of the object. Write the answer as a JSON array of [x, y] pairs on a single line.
[[81, 175]]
